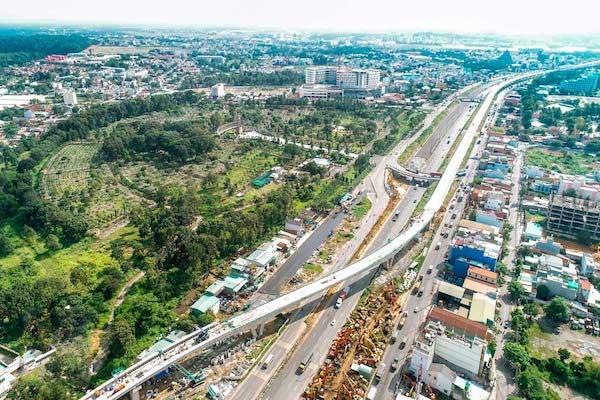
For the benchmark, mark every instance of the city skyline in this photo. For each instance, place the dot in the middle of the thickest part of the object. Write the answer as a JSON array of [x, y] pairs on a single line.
[[463, 16]]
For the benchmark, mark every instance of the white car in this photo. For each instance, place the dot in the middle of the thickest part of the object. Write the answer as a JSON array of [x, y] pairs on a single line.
[[332, 323]]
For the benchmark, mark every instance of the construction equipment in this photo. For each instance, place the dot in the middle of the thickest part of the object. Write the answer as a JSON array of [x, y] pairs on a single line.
[[195, 379]]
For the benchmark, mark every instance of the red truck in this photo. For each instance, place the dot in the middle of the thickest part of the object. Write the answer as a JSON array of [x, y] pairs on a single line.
[[342, 297]]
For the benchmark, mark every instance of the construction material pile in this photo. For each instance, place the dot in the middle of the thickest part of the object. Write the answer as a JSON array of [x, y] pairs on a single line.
[[357, 349]]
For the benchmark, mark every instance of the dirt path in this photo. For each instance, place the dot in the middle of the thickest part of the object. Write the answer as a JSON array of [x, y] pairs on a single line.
[[98, 338]]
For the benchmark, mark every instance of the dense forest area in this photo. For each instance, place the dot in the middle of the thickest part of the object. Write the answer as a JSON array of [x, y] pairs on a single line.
[[166, 241], [18, 49], [159, 143]]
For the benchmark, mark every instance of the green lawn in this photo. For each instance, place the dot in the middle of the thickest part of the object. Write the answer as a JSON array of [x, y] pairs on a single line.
[[313, 269], [362, 208], [567, 162]]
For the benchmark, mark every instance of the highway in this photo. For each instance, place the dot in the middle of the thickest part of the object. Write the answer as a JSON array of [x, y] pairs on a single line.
[[286, 383], [387, 388], [320, 335], [131, 378]]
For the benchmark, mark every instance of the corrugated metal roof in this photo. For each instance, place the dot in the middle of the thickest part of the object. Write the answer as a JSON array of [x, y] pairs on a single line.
[[205, 303], [451, 290], [482, 308]]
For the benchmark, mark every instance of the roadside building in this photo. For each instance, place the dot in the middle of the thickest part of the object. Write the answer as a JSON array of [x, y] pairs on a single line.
[[205, 304], [216, 288], [263, 256], [482, 309], [478, 253], [295, 226], [458, 341], [234, 284]]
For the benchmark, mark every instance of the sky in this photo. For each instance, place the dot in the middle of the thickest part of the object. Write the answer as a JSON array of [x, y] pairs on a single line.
[[525, 17]]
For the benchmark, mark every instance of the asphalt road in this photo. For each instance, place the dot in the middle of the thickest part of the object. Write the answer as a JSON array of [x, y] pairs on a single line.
[[286, 383], [388, 387], [288, 269]]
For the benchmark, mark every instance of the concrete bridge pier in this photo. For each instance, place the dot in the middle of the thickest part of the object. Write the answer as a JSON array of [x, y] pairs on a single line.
[[135, 393], [258, 330]]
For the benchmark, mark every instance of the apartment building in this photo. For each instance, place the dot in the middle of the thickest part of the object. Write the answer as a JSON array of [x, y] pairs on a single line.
[[456, 340], [327, 82], [573, 217]]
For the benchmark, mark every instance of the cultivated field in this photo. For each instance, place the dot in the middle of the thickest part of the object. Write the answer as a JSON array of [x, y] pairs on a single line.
[[74, 180]]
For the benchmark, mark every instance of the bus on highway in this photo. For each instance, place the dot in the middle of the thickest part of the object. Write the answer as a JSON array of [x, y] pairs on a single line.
[[304, 363]]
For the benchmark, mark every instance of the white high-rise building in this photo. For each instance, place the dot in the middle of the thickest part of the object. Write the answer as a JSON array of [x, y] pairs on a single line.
[[320, 75], [217, 91], [70, 97]]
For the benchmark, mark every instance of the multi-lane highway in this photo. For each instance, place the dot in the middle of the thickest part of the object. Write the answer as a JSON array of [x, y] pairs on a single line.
[[287, 383], [323, 332], [140, 372], [387, 388]]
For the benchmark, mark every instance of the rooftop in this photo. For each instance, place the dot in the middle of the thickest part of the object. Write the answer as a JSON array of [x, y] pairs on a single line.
[[205, 303], [457, 322], [478, 286], [483, 272]]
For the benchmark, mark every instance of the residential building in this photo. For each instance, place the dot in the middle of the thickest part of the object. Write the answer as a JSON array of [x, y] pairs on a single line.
[[573, 217], [295, 226], [70, 97], [478, 253], [533, 231], [559, 276], [456, 340], [483, 275], [587, 84], [488, 218], [588, 265], [217, 91]]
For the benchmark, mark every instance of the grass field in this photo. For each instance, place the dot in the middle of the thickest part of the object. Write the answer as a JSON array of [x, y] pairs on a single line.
[[567, 162], [362, 208]]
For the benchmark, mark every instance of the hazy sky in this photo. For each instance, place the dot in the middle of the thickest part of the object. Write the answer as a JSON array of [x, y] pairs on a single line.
[[501, 16]]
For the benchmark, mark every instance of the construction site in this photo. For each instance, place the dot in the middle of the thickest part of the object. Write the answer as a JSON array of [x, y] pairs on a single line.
[[355, 354]]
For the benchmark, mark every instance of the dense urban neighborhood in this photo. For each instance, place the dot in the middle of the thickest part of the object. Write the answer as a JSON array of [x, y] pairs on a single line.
[[270, 214]]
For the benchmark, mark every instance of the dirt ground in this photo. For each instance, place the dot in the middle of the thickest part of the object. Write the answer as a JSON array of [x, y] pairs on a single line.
[[578, 343]]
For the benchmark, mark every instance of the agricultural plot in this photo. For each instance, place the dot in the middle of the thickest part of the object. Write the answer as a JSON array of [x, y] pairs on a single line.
[[74, 181]]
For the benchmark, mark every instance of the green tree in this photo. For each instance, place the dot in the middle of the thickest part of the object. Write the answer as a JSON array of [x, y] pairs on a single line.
[[517, 355], [10, 130], [53, 243], [542, 292], [532, 308], [557, 310], [6, 245], [516, 290], [492, 347], [563, 354], [122, 336]]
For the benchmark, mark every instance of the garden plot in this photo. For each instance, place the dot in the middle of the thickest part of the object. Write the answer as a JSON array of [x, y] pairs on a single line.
[[72, 180]]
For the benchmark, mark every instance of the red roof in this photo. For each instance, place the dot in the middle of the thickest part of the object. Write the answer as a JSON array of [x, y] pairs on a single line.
[[483, 272], [585, 284], [457, 322]]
